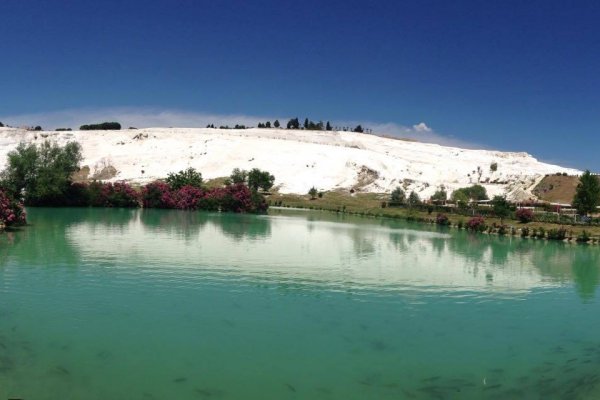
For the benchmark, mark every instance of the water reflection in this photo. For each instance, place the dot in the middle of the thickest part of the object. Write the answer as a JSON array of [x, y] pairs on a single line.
[[337, 251], [168, 304]]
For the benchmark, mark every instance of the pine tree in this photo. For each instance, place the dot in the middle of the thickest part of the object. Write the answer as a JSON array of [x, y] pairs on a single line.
[[268, 124], [276, 123], [306, 123], [328, 126]]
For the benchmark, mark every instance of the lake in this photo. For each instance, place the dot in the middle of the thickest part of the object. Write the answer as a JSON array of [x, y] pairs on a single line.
[[157, 304]]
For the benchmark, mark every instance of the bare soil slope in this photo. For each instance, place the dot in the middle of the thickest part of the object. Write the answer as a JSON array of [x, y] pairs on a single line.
[[557, 189]]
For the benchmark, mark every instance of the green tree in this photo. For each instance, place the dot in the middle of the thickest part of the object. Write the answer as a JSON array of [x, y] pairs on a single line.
[[397, 196], [313, 193], [41, 174], [306, 123], [188, 177], [328, 126], [276, 124], [475, 192], [238, 175], [260, 179], [587, 194], [460, 198], [104, 126], [358, 129], [413, 199], [440, 195], [293, 123], [268, 124], [501, 207]]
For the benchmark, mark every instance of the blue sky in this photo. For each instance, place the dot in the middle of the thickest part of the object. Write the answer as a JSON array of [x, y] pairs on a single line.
[[511, 75]]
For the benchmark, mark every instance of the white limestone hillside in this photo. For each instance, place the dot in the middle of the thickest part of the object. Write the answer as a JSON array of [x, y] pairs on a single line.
[[298, 159]]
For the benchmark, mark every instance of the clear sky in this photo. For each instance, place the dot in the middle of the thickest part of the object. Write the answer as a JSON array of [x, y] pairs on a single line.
[[511, 75]]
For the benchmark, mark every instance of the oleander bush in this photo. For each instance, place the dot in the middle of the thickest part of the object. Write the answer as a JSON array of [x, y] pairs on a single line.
[[524, 215], [119, 194], [12, 212], [237, 198], [476, 223], [442, 219], [157, 194], [187, 198]]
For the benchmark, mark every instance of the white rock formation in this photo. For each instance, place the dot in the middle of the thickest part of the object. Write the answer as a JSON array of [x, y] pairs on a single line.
[[298, 159]]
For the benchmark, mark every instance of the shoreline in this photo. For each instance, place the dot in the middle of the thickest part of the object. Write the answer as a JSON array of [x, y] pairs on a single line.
[[512, 228]]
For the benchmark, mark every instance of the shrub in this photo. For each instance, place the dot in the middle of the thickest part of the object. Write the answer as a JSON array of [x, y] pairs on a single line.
[[12, 212], [584, 237], [442, 219], [460, 224], [494, 167], [78, 195], [557, 234], [187, 198], [524, 215], [239, 198], [524, 232], [157, 194], [540, 233], [118, 194], [313, 193], [188, 177], [476, 223]]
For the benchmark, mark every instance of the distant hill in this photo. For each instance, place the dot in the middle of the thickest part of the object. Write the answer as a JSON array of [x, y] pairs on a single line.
[[299, 159]]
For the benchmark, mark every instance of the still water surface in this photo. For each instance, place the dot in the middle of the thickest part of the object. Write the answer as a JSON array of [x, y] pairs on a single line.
[[152, 304]]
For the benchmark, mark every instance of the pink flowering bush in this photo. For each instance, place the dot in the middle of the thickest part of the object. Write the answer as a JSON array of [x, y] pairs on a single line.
[[442, 219], [476, 223], [237, 198], [11, 211], [187, 198], [118, 194], [524, 215], [157, 194]]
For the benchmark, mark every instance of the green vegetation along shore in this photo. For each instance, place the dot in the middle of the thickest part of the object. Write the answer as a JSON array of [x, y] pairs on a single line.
[[370, 205]]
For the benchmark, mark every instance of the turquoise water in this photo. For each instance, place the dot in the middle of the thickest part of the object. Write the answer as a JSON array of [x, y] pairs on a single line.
[[152, 304]]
